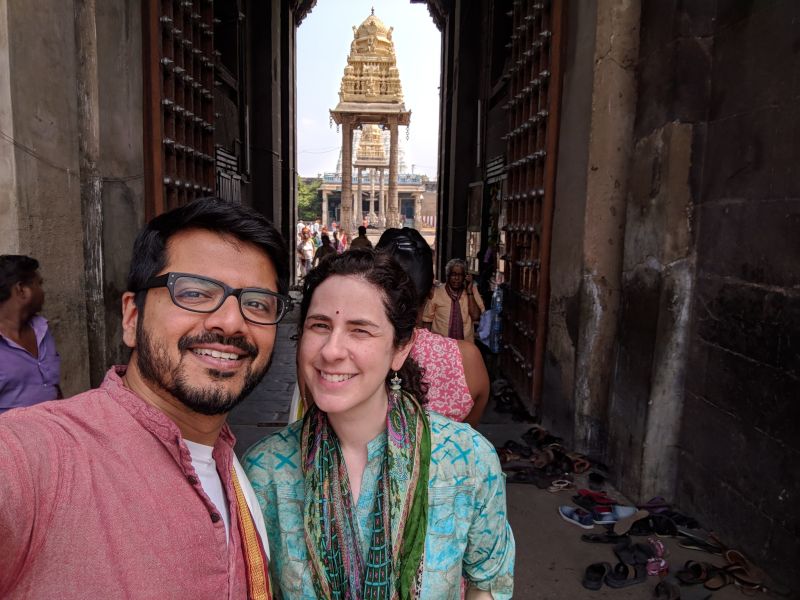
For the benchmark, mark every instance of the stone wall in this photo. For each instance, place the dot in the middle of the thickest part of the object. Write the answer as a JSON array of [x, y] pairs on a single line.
[[40, 182], [738, 447], [41, 214], [704, 395]]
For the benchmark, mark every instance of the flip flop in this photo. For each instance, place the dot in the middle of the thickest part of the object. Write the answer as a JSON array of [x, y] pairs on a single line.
[[608, 537], [694, 572], [623, 575], [595, 574], [529, 475], [633, 554], [746, 572], [559, 485]]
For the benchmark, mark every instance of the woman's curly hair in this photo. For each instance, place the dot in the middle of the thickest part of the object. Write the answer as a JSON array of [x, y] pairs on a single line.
[[399, 300]]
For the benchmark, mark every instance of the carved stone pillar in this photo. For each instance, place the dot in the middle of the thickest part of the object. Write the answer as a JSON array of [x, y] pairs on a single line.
[[346, 216], [382, 202], [324, 218], [371, 195], [393, 213], [418, 211], [358, 209]]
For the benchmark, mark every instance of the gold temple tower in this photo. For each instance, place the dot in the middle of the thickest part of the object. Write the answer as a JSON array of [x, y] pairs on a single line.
[[370, 99]]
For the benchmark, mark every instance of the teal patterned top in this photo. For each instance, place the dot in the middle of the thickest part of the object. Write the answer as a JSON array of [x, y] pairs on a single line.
[[468, 533]]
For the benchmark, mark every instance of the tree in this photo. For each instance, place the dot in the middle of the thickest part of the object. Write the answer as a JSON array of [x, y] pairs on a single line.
[[309, 199]]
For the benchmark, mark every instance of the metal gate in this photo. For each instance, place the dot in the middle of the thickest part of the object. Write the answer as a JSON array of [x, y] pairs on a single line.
[[534, 77]]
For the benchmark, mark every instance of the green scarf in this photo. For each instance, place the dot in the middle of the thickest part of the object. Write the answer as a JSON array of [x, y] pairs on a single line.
[[393, 567]]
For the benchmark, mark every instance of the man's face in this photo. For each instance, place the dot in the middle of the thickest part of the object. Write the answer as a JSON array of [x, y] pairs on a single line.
[[456, 278], [207, 361], [34, 293]]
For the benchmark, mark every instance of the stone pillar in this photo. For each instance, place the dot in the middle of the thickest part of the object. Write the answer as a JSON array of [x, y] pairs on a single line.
[[418, 211], [358, 209], [324, 219], [393, 213], [346, 215], [371, 195], [382, 203]]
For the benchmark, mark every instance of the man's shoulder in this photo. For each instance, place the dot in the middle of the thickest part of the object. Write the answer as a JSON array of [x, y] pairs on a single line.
[[83, 411]]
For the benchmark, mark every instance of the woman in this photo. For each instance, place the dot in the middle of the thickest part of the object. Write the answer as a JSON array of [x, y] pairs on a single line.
[[369, 496], [458, 384]]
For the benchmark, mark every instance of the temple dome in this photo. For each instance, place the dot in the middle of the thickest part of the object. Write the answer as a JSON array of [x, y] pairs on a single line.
[[373, 26], [371, 74]]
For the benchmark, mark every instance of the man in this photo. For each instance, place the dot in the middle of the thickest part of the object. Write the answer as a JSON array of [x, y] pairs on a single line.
[[454, 306], [361, 241], [132, 490], [29, 364], [305, 252]]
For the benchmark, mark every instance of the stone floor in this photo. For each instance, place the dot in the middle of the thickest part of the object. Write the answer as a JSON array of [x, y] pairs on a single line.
[[551, 557]]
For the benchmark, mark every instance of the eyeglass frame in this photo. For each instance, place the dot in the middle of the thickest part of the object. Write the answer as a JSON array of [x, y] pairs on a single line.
[[168, 280]]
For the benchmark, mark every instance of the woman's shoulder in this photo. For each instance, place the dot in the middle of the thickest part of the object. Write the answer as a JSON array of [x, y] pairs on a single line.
[[460, 442], [265, 456]]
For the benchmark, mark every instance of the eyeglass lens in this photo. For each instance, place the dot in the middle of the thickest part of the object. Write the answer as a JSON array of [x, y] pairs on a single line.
[[193, 293]]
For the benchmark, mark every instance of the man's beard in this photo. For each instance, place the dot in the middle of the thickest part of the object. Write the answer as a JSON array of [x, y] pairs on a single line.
[[155, 365]]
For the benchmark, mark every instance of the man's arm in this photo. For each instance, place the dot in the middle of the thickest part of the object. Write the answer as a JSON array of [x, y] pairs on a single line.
[[23, 501], [472, 304]]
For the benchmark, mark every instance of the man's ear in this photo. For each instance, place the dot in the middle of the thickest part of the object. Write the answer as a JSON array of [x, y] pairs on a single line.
[[130, 318]]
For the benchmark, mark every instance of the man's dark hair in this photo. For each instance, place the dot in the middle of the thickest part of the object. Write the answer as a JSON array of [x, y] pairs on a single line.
[[325, 239], [14, 269], [362, 230], [399, 300], [409, 248], [209, 214]]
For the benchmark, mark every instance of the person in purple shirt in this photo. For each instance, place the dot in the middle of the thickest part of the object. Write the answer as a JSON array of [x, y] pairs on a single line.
[[29, 364]]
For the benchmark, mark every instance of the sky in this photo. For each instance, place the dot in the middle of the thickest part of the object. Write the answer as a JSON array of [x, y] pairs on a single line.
[[323, 45]]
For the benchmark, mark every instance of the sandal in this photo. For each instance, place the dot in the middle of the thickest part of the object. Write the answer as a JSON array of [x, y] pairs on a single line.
[[609, 537], [695, 572], [579, 463], [517, 448], [624, 576], [595, 575], [559, 485], [542, 458]]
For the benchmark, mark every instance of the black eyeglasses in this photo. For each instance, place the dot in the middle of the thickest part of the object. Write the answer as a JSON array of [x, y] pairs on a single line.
[[204, 295]]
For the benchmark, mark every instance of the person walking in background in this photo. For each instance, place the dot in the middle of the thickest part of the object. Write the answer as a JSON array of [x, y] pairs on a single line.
[[305, 252], [324, 250], [30, 366], [133, 490], [362, 241], [455, 306], [456, 376]]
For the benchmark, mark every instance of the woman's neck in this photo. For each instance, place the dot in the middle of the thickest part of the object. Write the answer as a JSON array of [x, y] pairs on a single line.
[[358, 427]]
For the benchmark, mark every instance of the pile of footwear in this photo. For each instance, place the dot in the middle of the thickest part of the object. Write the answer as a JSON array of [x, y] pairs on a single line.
[[695, 580], [506, 400], [542, 460]]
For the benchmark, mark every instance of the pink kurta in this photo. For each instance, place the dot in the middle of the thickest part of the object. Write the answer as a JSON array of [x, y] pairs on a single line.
[[448, 393], [99, 499]]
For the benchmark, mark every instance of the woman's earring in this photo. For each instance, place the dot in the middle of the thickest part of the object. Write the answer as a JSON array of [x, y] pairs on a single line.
[[394, 388]]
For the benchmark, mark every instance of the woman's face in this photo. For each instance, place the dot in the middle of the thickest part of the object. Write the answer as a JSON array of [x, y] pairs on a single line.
[[347, 348]]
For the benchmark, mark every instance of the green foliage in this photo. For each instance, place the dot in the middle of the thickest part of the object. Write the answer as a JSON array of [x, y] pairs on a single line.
[[309, 198]]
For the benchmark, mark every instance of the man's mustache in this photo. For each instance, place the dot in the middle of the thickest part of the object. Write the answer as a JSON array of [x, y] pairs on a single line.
[[214, 338]]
